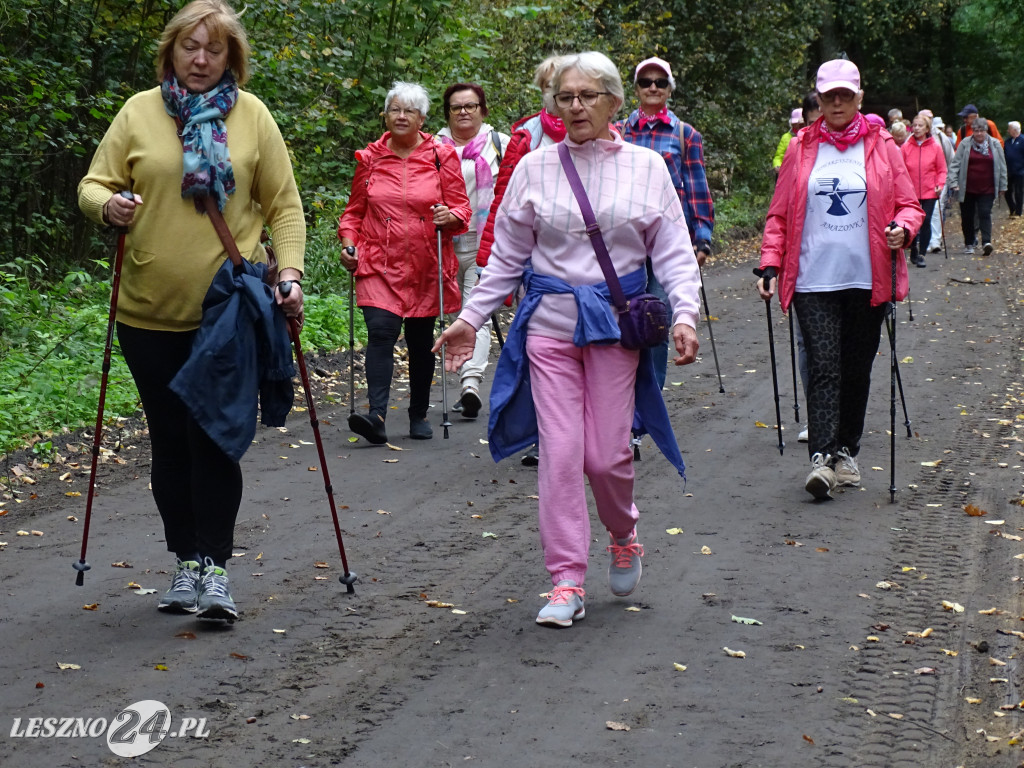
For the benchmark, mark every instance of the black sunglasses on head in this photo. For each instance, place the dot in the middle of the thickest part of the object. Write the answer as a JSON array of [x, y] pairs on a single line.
[[646, 82]]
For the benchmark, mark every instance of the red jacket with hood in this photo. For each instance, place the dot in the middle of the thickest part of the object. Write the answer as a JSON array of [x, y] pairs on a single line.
[[926, 165], [390, 220], [890, 197]]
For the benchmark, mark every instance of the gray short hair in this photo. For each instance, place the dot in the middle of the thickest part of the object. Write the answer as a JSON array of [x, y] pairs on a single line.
[[413, 94], [1014, 124], [592, 64], [979, 124]]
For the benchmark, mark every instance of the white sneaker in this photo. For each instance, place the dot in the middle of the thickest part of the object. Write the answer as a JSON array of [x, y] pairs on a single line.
[[846, 469], [565, 605], [625, 569], [822, 480], [802, 437], [969, 250]]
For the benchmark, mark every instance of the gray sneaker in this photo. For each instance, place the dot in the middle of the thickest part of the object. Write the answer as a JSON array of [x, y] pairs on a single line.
[[214, 598], [847, 472], [183, 596], [625, 569], [565, 605], [822, 480]]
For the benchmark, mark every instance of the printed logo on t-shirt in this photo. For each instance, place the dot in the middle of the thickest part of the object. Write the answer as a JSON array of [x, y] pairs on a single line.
[[846, 197]]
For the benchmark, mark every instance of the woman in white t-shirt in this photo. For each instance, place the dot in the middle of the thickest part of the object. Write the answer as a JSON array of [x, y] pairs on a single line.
[[828, 249]]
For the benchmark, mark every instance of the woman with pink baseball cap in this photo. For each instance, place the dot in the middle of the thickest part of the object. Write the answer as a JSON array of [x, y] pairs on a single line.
[[828, 251]]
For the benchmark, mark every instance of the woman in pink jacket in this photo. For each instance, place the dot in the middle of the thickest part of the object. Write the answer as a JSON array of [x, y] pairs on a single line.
[[406, 187], [926, 164], [827, 249]]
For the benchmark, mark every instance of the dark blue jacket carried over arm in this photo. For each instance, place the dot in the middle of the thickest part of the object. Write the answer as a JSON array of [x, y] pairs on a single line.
[[242, 352]]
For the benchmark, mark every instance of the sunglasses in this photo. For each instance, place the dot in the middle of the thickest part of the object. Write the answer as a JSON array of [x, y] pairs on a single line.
[[646, 82]]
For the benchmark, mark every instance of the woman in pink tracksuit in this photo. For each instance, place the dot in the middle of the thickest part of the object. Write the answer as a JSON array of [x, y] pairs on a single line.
[[926, 164]]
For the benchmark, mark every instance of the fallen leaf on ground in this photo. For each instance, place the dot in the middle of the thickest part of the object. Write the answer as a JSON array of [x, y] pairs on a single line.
[[186, 635], [741, 620], [457, 612], [390, 461], [931, 463], [808, 739], [91, 607], [241, 656], [949, 652], [673, 531], [886, 585], [679, 667], [972, 700], [63, 665], [141, 591], [994, 662], [992, 612], [734, 654], [121, 564], [321, 564], [954, 607], [161, 667], [974, 511], [705, 550], [383, 512], [924, 671], [489, 535], [301, 741], [279, 631], [611, 725], [439, 604], [632, 609], [895, 715], [299, 717], [760, 424], [925, 633]]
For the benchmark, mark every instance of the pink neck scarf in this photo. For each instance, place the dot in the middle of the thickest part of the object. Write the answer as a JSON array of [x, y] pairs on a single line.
[[662, 116], [846, 138], [553, 126], [473, 150]]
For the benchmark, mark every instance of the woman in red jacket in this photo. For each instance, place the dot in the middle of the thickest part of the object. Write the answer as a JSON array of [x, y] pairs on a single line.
[[406, 187], [827, 248], [926, 164]]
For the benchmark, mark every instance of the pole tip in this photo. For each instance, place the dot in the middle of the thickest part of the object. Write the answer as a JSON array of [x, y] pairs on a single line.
[[81, 566], [349, 580]]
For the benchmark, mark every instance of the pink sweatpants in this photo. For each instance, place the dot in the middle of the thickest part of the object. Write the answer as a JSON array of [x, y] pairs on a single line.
[[584, 402]]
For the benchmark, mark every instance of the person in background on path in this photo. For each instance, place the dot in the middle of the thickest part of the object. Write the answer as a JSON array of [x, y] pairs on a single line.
[[827, 250], [977, 176], [796, 122], [173, 254], [969, 114], [406, 188], [899, 133], [562, 346], [874, 119], [895, 115], [927, 168], [655, 126], [528, 134], [480, 149], [1014, 151], [942, 206]]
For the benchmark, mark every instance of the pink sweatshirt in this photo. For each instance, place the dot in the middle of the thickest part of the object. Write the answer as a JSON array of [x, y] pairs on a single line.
[[539, 221]]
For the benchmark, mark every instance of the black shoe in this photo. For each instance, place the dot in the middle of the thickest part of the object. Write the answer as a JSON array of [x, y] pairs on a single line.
[[470, 403], [371, 427], [987, 250], [420, 429], [532, 456]]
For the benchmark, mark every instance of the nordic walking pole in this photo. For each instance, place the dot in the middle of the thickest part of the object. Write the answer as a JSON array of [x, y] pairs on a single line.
[[351, 251], [711, 333], [444, 375], [942, 224], [892, 378], [348, 578], [82, 566], [899, 383], [775, 375], [792, 358]]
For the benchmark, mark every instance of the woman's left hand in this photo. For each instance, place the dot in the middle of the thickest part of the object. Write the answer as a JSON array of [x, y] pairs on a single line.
[[685, 339], [291, 304], [895, 237]]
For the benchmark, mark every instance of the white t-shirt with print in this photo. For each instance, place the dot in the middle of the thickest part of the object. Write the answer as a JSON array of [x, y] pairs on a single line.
[[834, 249]]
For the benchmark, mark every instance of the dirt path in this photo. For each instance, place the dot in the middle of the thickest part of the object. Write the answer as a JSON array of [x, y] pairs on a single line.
[[831, 676]]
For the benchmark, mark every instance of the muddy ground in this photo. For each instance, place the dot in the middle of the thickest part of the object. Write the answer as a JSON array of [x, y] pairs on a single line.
[[856, 660]]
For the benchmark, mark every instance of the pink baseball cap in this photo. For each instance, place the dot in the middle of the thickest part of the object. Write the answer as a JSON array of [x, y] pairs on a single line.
[[796, 116], [660, 63], [838, 73]]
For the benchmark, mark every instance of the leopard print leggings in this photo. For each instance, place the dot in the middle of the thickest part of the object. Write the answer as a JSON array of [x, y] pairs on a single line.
[[841, 333]]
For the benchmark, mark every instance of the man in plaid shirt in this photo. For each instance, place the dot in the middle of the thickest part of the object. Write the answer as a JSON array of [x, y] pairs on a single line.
[[680, 145]]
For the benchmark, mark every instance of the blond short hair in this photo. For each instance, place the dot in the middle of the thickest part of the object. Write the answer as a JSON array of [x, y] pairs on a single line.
[[542, 74], [221, 22]]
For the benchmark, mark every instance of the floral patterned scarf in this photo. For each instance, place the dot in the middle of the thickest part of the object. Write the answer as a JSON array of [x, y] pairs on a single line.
[[206, 163], [846, 138]]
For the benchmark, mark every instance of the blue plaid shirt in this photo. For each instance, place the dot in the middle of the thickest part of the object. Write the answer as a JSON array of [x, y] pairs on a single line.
[[685, 161]]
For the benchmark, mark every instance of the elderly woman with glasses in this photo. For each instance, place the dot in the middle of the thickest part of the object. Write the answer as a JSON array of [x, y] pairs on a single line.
[[480, 149], [977, 176], [563, 374], [407, 187], [828, 250]]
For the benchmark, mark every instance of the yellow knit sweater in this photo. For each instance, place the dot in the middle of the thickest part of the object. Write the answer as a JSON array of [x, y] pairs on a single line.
[[171, 252]]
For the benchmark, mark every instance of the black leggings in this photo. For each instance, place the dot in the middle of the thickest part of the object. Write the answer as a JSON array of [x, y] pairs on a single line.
[[919, 246], [383, 329], [196, 486], [841, 332]]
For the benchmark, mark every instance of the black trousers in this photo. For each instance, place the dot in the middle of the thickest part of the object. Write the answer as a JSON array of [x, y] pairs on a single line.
[[196, 486], [383, 329], [841, 333], [1015, 195], [980, 205], [919, 246]]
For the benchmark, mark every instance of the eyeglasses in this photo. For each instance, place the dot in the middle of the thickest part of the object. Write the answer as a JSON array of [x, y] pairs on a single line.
[[396, 111], [587, 98], [646, 82], [469, 109], [844, 95]]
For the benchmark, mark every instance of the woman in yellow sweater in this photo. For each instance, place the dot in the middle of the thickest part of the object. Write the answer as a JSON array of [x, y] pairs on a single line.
[[230, 148]]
